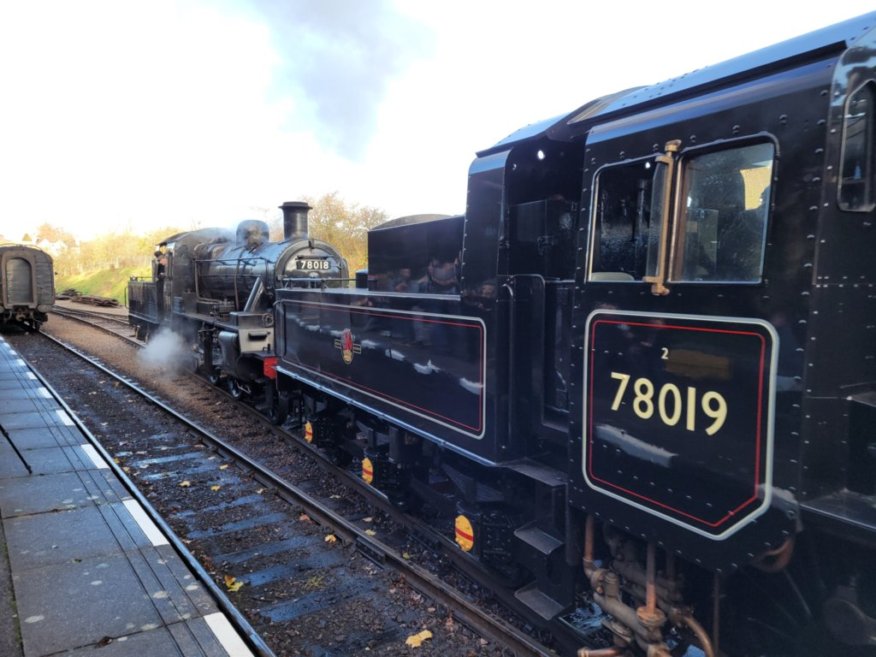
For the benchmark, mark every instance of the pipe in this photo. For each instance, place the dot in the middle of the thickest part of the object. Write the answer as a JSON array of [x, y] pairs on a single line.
[[781, 557], [716, 610], [600, 652], [588, 542], [700, 633], [650, 580]]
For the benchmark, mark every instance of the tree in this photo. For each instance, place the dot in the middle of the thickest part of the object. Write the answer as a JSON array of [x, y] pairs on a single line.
[[344, 225], [50, 233]]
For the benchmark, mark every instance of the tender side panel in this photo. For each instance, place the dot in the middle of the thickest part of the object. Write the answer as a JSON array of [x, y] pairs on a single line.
[[429, 370], [677, 417], [143, 300]]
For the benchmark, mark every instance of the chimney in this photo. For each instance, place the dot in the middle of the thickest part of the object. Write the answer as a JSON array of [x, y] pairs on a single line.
[[295, 220]]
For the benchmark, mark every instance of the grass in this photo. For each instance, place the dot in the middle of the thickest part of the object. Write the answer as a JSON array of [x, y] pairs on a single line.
[[111, 283]]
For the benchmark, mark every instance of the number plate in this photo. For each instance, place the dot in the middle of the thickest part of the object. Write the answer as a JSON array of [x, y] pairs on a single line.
[[677, 417], [312, 264]]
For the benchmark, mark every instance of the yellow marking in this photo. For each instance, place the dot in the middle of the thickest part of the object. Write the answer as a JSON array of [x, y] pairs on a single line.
[[367, 470], [464, 533]]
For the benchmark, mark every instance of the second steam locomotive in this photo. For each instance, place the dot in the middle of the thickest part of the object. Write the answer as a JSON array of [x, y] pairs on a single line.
[[639, 371]]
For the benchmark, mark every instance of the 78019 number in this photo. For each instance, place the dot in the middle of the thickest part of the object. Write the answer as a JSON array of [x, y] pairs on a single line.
[[670, 403]]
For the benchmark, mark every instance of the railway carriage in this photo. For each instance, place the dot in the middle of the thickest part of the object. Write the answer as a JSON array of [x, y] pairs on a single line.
[[27, 285], [641, 368]]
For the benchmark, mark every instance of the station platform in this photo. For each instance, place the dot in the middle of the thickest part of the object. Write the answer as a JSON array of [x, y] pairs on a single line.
[[82, 565]]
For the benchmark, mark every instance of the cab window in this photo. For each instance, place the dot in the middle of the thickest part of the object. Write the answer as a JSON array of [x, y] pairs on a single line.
[[720, 232], [856, 167], [718, 221], [627, 216]]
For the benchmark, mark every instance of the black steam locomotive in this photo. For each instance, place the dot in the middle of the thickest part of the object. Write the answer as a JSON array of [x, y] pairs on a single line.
[[642, 367], [27, 285], [216, 288]]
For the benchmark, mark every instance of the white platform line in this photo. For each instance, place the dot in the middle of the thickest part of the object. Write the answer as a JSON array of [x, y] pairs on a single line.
[[227, 635], [96, 458], [44, 393], [152, 532], [62, 415]]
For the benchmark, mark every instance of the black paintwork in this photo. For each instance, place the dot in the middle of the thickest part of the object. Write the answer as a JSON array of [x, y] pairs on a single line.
[[549, 313]]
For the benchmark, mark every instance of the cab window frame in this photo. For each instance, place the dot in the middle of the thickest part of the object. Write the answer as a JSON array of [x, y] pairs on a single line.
[[678, 215], [866, 181]]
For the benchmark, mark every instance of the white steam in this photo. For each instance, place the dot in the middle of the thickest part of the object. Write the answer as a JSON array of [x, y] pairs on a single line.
[[165, 350]]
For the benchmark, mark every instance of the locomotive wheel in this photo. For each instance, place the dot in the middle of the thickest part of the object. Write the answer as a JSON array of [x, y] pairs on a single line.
[[213, 377], [234, 388], [279, 410]]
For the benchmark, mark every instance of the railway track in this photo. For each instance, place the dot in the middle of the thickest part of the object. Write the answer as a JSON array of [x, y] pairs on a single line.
[[111, 323], [231, 516]]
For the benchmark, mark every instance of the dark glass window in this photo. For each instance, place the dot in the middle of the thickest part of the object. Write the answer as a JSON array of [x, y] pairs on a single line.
[[720, 217], [856, 167], [627, 221], [721, 229]]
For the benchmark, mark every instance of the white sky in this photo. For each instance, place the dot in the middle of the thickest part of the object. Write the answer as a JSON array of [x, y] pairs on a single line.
[[117, 114]]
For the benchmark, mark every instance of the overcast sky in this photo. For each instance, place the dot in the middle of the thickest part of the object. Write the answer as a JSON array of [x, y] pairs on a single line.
[[117, 114]]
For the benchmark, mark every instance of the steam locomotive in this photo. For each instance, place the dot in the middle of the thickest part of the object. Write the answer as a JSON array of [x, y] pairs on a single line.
[[642, 366], [27, 285], [216, 289]]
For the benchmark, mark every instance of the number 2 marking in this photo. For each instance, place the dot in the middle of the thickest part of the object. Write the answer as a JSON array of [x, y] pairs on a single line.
[[664, 353]]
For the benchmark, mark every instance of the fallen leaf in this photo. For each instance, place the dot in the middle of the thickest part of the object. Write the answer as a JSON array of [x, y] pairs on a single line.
[[371, 532], [126, 468], [406, 555], [416, 640], [331, 538], [224, 466], [232, 584], [185, 484], [304, 518], [368, 519], [215, 488]]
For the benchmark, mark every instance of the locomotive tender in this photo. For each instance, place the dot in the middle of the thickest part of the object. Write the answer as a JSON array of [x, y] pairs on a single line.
[[642, 366], [216, 288], [27, 285]]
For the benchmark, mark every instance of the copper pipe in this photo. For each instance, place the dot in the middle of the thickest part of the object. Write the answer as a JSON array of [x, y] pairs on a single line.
[[781, 557], [716, 611], [600, 652], [650, 585], [701, 635], [588, 540]]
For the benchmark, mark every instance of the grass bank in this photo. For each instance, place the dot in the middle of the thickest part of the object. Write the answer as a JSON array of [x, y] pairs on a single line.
[[111, 283]]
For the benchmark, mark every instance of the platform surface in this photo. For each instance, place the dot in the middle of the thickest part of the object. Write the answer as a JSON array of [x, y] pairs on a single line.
[[82, 566]]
